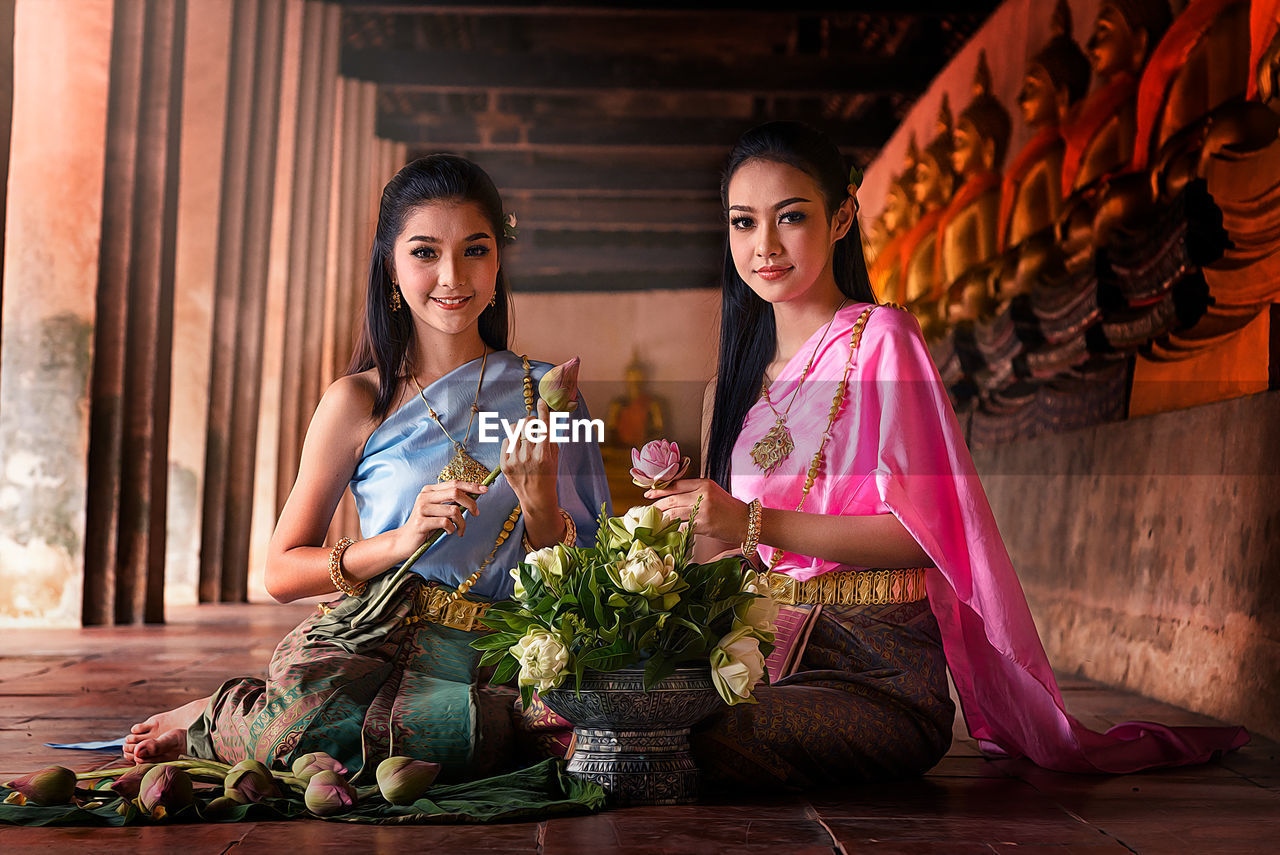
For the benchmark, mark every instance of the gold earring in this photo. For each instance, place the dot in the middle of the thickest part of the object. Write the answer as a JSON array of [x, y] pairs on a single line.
[[493, 301], [395, 297]]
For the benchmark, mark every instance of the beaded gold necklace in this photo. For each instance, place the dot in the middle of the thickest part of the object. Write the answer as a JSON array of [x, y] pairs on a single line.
[[818, 456], [776, 446]]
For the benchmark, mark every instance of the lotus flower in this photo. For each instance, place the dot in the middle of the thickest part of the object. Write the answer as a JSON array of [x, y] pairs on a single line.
[[559, 387], [126, 786], [657, 464], [164, 787], [317, 761], [737, 666], [54, 785], [249, 782], [643, 571], [542, 656], [328, 793], [643, 524], [761, 613], [403, 780]]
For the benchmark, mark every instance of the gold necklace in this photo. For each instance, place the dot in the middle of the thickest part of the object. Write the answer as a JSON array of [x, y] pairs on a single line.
[[774, 447], [816, 464], [462, 466]]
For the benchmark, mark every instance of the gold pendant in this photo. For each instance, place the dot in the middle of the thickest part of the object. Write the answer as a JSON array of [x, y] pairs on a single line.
[[773, 448], [463, 467]]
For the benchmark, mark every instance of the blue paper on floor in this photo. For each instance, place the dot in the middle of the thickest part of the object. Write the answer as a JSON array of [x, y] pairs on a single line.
[[112, 745]]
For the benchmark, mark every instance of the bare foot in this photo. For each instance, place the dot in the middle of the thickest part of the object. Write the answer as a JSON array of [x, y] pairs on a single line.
[[163, 736]]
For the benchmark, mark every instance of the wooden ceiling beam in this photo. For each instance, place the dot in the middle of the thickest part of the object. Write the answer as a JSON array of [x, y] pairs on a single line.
[[502, 131], [476, 71]]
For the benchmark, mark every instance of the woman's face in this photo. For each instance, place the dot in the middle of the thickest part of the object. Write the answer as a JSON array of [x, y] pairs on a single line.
[[779, 234], [446, 263]]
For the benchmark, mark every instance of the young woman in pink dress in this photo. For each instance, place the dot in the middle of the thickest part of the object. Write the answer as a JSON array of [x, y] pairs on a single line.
[[832, 449]]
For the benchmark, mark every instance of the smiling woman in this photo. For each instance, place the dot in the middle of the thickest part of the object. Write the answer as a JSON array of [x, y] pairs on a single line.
[[389, 666]]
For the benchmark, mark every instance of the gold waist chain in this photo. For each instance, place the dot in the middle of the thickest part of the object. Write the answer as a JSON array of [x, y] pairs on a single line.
[[851, 587]]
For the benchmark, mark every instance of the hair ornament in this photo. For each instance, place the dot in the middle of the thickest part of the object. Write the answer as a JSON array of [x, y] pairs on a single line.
[[509, 230]]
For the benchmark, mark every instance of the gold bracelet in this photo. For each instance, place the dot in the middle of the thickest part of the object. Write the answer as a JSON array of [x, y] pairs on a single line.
[[336, 576], [570, 533], [754, 512]]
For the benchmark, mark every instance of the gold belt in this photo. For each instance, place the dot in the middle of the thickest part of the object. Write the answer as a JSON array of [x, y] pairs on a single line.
[[851, 587], [438, 605]]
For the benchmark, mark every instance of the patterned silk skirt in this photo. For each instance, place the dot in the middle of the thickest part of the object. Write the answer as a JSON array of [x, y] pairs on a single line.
[[391, 686], [868, 703]]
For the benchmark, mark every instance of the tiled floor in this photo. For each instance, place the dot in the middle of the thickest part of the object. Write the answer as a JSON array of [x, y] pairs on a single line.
[[61, 686]]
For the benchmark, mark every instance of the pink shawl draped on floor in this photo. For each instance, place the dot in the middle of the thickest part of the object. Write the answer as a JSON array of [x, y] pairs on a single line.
[[897, 448]]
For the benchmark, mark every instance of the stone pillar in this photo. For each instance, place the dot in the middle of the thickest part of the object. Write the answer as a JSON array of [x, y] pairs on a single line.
[[133, 334], [62, 58], [314, 170], [6, 113], [284, 236], [244, 229], [204, 88]]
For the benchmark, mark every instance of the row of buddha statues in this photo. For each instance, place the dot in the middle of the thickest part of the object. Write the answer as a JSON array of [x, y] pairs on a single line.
[[1142, 217]]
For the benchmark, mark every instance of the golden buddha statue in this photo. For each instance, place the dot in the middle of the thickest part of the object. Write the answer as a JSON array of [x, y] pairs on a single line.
[[1099, 137], [636, 417], [893, 224], [968, 226], [932, 183], [1055, 81]]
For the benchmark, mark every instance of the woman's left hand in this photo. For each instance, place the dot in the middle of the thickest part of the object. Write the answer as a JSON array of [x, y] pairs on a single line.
[[532, 467], [720, 515]]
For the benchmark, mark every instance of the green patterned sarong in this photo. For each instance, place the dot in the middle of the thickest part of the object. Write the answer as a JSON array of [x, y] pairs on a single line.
[[389, 686]]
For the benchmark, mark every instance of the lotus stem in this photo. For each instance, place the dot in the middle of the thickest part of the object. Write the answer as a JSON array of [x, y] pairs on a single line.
[[403, 570]]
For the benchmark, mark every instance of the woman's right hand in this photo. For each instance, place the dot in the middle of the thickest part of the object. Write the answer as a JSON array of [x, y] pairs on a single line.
[[439, 507]]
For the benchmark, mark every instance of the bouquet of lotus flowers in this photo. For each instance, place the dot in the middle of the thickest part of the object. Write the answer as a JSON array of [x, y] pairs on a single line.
[[635, 598]]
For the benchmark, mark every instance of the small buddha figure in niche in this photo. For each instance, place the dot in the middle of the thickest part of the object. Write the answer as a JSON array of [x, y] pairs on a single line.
[[932, 184], [895, 221], [968, 226], [636, 417], [1053, 86]]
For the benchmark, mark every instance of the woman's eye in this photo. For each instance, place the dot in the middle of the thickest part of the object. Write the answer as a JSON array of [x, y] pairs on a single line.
[[423, 252], [790, 217], [478, 250], [741, 222]]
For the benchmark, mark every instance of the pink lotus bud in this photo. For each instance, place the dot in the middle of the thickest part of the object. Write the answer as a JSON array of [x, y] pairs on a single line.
[[559, 387], [328, 793], [657, 464], [54, 785], [164, 786], [249, 782], [317, 761], [402, 780], [127, 784]]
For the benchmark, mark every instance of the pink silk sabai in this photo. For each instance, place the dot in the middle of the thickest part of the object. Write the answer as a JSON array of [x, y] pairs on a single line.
[[896, 447]]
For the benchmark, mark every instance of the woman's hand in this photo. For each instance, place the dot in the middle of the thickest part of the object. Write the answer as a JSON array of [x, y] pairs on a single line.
[[439, 507], [720, 515], [532, 467]]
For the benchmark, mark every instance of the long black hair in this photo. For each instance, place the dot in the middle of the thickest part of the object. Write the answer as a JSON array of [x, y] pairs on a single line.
[[748, 336], [387, 336]]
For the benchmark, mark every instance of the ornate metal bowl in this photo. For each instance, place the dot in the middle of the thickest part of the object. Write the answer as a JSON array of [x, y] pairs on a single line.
[[635, 743]]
